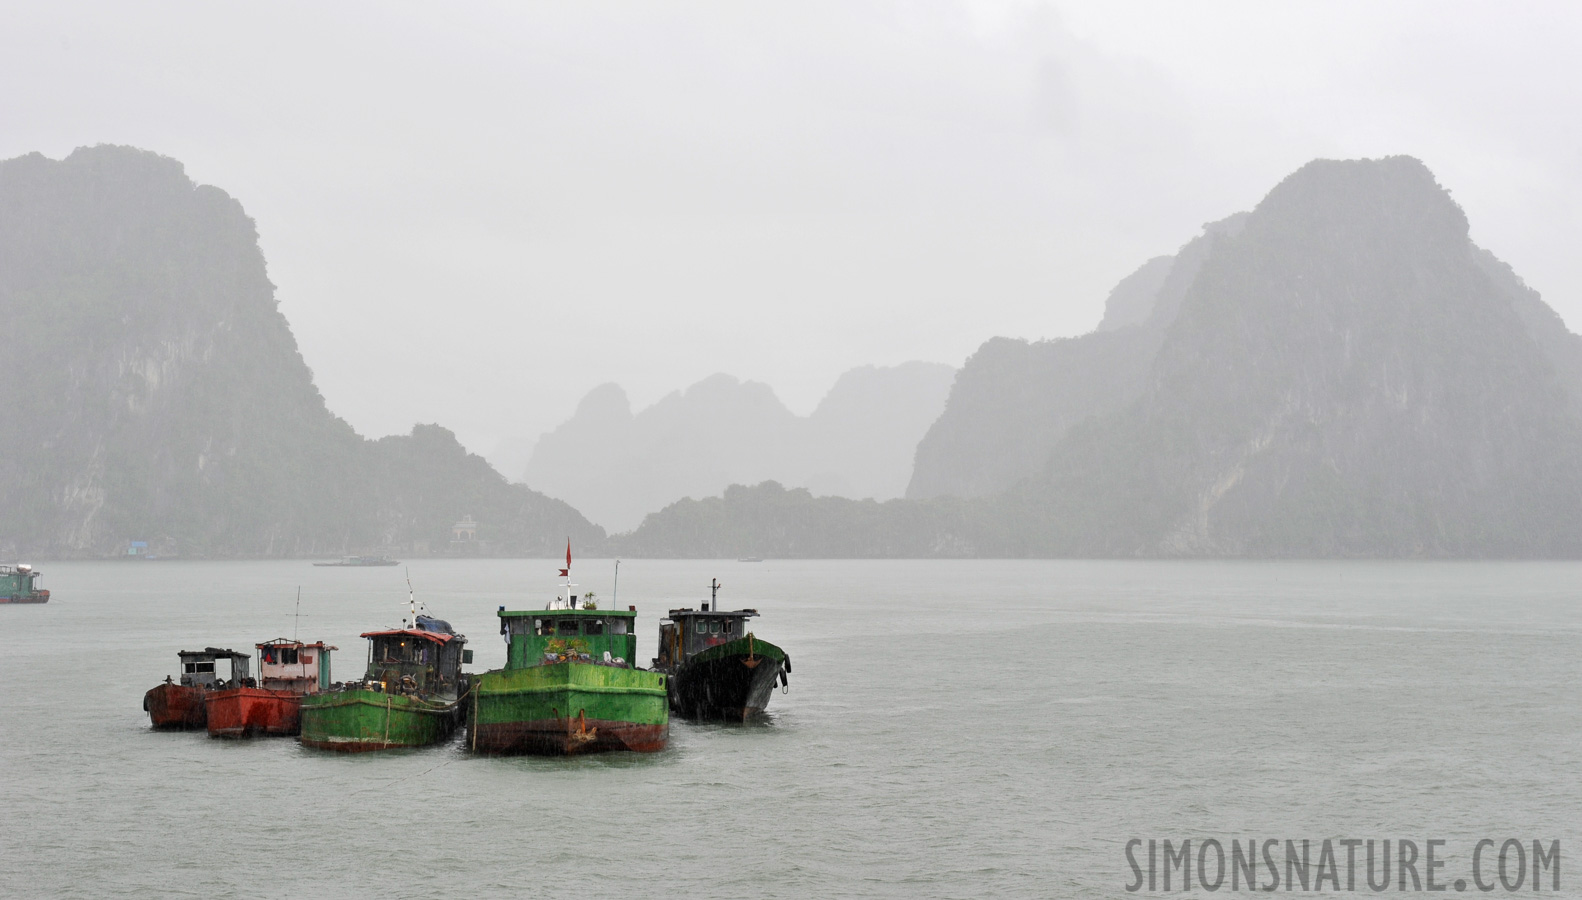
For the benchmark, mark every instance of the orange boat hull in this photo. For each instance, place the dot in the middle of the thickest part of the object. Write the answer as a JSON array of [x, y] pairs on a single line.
[[241, 712], [175, 706]]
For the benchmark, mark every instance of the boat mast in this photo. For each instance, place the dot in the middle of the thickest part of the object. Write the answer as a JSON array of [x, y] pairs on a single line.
[[714, 595], [411, 601], [566, 574]]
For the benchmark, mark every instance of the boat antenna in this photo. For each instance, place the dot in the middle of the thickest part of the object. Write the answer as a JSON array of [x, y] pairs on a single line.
[[714, 594], [296, 618], [615, 594], [412, 600]]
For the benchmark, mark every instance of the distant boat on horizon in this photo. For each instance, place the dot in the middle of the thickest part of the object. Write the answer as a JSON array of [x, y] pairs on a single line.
[[751, 559], [358, 561]]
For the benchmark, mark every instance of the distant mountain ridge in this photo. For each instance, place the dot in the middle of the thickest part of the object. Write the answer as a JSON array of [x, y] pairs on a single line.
[[151, 390], [1340, 372], [618, 466]]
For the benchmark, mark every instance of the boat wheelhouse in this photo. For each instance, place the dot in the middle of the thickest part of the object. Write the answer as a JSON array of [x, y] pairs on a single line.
[[412, 694], [287, 670], [19, 584], [180, 704], [718, 669]]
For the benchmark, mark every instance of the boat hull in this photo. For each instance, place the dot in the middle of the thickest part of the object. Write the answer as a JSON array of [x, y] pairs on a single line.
[[732, 681], [245, 711], [176, 707], [568, 708], [361, 720], [33, 597]]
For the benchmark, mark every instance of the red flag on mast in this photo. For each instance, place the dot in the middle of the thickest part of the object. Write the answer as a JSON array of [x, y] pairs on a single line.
[[566, 572]]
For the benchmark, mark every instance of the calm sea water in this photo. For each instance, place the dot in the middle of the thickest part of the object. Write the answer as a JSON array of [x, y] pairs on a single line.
[[953, 729]]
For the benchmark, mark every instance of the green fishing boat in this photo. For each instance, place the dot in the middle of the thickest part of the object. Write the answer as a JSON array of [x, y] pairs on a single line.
[[569, 685], [413, 694]]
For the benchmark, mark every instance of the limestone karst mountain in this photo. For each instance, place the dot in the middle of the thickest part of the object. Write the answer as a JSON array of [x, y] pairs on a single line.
[[1348, 376], [151, 390], [1339, 372], [617, 466], [1014, 400]]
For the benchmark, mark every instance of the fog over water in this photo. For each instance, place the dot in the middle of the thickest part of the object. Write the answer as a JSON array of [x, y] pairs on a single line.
[[476, 214]]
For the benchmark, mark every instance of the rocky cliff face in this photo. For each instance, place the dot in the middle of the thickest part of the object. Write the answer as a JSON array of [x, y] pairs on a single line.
[[151, 390], [618, 466], [1348, 376]]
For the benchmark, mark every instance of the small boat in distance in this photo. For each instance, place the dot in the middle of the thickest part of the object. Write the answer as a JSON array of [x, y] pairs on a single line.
[[718, 669], [359, 561], [751, 559], [19, 584], [287, 671], [180, 704], [412, 695]]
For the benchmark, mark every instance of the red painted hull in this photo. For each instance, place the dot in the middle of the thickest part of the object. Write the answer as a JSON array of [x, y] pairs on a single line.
[[241, 712], [565, 737], [176, 706]]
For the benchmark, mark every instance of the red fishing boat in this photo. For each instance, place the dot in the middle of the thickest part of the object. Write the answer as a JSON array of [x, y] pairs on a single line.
[[286, 671], [180, 704]]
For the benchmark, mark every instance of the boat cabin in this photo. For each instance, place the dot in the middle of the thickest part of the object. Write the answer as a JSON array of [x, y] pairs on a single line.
[[688, 632], [198, 667], [548, 636], [425, 659], [20, 583], [294, 666]]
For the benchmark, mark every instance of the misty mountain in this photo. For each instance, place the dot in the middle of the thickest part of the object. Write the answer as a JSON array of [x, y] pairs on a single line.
[[1340, 372], [1014, 400], [617, 466], [151, 390], [1348, 376]]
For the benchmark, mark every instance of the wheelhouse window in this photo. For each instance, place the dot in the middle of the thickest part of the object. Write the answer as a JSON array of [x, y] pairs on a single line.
[[730, 626], [198, 668], [703, 626], [592, 626], [283, 656], [566, 627], [714, 626]]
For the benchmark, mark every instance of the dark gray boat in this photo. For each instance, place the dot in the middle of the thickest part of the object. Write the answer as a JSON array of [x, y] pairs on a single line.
[[718, 669]]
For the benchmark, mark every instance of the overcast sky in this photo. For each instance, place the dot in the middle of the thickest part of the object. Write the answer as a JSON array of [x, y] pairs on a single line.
[[476, 212]]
